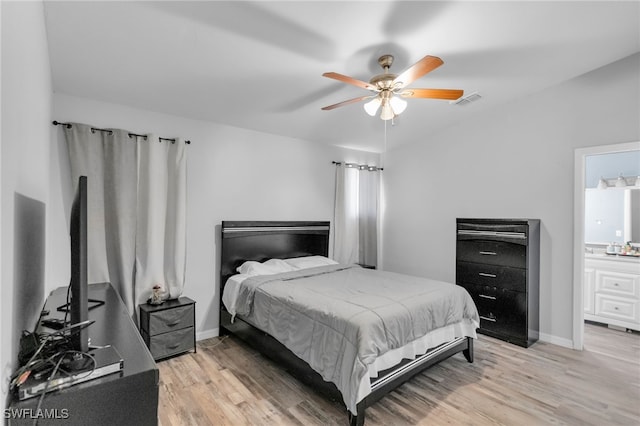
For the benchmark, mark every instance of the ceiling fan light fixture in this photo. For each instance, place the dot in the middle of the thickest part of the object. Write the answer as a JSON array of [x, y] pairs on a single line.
[[372, 106], [398, 105], [386, 113]]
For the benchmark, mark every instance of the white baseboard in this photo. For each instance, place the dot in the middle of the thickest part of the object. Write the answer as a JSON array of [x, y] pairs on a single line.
[[207, 334], [555, 340]]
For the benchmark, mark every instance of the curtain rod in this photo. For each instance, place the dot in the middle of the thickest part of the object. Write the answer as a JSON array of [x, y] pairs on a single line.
[[358, 166], [95, 129]]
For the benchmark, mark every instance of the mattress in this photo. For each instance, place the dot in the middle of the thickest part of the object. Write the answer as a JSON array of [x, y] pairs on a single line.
[[348, 323]]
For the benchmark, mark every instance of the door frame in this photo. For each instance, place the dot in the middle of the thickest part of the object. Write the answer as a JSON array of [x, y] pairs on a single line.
[[578, 230]]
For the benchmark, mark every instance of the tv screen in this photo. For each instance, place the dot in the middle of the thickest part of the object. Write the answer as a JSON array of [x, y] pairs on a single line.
[[78, 305], [78, 302]]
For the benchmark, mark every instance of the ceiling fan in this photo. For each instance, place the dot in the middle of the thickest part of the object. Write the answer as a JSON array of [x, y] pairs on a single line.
[[391, 88]]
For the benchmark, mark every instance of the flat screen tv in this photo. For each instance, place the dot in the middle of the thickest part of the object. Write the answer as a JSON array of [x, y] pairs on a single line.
[[79, 303]]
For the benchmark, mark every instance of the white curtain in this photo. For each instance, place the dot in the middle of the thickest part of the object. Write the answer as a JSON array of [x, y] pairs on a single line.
[[368, 190], [355, 238], [136, 209], [161, 224]]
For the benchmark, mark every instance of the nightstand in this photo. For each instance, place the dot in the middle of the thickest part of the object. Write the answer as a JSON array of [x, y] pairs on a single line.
[[169, 329]]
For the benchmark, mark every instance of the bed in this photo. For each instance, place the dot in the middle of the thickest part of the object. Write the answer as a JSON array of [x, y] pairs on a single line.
[[283, 296]]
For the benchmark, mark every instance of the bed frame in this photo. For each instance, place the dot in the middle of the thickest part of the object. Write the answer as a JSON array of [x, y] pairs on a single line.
[[259, 241]]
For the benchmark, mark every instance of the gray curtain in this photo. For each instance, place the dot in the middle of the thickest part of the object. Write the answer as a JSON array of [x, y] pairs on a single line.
[[109, 160], [136, 209], [355, 238]]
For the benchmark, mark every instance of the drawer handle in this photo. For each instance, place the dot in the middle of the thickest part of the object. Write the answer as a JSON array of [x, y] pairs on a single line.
[[484, 274], [484, 296], [616, 284], [174, 346], [488, 319], [488, 253], [173, 324]]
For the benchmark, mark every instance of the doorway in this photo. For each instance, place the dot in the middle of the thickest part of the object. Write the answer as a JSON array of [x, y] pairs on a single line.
[[579, 246]]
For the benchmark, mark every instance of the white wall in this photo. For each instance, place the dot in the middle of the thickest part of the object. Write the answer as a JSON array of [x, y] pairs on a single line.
[[233, 174], [26, 132], [515, 161]]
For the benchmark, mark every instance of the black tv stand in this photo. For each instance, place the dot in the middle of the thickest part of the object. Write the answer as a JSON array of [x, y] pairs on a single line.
[[129, 396]]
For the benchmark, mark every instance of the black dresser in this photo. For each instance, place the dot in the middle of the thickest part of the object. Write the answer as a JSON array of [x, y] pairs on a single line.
[[498, 262]]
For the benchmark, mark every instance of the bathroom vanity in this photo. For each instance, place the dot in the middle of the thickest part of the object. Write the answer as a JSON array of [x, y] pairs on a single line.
[[612, 290]]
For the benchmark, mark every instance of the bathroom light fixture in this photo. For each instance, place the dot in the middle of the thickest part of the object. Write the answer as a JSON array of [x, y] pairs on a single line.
[[620, 182], [602, 184]]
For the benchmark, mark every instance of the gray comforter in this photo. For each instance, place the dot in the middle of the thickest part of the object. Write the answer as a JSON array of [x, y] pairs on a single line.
[[339, 318]]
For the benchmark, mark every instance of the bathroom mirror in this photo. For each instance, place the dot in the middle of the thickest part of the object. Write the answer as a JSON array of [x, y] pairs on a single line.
[[612, 207], [612, 215]]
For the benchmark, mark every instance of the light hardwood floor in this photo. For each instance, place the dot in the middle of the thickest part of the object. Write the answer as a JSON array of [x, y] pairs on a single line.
[[227, 383]]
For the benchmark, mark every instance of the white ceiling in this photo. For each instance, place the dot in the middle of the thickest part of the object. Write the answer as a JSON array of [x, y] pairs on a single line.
[[259, 65]]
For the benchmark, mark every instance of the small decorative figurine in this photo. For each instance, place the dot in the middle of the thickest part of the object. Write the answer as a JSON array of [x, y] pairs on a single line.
[[157, 295]]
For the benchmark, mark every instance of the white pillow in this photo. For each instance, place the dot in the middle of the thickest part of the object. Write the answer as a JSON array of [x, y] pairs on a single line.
[[280, 265], [310, 262], [270, 267]]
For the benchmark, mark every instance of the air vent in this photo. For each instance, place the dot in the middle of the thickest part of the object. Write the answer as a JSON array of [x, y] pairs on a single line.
[[464, 100]]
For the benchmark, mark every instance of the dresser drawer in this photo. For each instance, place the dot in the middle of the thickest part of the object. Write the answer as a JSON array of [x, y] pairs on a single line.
[[496, 229], [171, 319], [492, 252], [174, 342], [491, 275], [501, 311]]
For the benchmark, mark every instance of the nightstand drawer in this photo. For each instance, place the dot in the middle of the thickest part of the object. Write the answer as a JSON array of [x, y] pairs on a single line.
[[491, 275], [171, 319], [175, 342]]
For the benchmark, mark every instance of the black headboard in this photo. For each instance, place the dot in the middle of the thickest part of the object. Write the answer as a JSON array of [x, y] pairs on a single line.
[[262, 240]]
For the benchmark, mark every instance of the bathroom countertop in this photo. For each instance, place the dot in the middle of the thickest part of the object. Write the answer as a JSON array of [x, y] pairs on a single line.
[[612, 257]]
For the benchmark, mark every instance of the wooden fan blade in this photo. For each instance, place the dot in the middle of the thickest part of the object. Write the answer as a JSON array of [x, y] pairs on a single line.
[[451, 94], [343, 103], [349, 80], [417, 70]]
